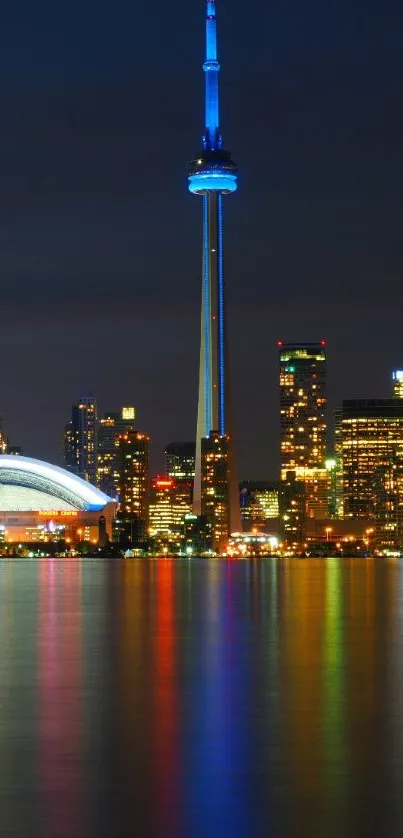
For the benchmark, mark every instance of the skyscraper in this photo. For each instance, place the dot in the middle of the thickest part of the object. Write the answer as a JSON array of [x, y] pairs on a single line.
[[388, 502], [372, 436], [303, 421], [180, 460], [133, 468], [213, 174], [81, 439], [169, 505], [110, 427], [215, 465]]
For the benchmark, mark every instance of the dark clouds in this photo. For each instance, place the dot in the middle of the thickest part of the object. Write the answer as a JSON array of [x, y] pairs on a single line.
[[100, 242]]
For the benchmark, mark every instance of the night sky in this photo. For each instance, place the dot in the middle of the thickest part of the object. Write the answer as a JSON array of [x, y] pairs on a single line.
[[101, 108]]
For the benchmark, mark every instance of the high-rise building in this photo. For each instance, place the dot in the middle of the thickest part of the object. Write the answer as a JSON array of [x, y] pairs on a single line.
[[81, 439], [292, 504], [388, 503], [133, 469], [337, 475], [180, 465], [180, 460], [169, 504], [372, 434], [213, 174], [110, 427], [303, 421], [259, 503], [215, 466], [397, 378]]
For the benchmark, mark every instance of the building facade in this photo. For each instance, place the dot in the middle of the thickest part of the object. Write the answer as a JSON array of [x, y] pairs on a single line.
[[302, 380], [169, 505], [259, 503], [216, 488], [180, 460], [388, 503], [81, 439], [111, 426], [133, 483], [372, 435], [213, 174]]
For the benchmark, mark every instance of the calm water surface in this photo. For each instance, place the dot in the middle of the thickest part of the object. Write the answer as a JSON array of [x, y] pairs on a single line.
[[177, 699]]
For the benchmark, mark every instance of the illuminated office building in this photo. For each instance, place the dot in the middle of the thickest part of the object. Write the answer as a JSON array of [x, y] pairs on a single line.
[[372, 434], [169, 504], [133, 482], [215, 464], [81, 439], [397, 378], [259, 503], [303, 422], [388, 501], [110, 427], [180, 460], [292, 507], [213, 174]]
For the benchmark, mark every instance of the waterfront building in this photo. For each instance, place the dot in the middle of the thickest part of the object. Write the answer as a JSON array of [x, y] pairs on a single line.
[[41, 502], [133, 482], [111, 426], [388, 502], [292, 504], [215, 466], [302, 379], [372, 434], [338, 456], [213, 174], [169, 504], [397, 379], [81, 439], [196, 535], [259, 503]]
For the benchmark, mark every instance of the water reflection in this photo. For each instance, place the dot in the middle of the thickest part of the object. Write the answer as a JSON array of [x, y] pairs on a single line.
[[59, 700], [181, 699]]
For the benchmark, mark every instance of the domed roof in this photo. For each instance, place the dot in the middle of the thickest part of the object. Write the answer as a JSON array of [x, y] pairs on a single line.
[[25, 482]]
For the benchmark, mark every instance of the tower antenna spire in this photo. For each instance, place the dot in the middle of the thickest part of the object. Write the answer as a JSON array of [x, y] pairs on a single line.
[[212, 138]]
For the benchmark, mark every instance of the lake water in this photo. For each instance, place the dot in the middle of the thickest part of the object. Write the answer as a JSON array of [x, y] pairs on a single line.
[[201, 699]]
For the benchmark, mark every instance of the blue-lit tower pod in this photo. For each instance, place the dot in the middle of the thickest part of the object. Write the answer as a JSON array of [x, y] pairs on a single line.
[[213, 174]]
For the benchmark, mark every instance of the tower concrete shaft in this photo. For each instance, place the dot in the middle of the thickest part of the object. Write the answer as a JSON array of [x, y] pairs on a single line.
[[212, 175]]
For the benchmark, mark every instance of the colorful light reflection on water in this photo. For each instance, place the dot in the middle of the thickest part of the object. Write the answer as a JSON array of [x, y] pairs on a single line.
[[191, 698]]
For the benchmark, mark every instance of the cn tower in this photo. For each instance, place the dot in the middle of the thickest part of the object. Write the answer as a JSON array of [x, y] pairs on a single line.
[[213, 174]]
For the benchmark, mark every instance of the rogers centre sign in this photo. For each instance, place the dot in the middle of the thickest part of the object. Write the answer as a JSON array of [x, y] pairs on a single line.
[[58, 513]]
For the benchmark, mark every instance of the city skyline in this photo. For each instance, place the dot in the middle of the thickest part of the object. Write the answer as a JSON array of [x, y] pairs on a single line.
[[321, 181]]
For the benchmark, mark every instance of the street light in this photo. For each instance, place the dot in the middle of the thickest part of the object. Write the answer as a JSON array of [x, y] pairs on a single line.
[[328, 530]]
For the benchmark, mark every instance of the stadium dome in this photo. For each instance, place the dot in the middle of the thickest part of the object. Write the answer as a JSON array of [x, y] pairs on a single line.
[[27, 484]]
